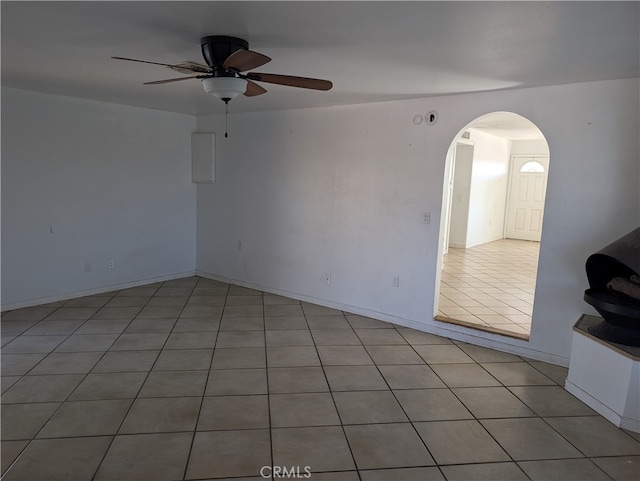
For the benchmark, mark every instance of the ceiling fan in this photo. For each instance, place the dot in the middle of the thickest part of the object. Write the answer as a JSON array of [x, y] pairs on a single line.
[[227, 58]]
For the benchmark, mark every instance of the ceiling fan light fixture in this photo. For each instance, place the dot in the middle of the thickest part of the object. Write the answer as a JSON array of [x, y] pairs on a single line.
[[225, 88]]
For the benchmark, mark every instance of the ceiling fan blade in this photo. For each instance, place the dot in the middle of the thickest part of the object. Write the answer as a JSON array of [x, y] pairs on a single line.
[[243, 60], [189, 66], [158, 82], [291, 81], [143, 61], [254, 89], [182, 67]]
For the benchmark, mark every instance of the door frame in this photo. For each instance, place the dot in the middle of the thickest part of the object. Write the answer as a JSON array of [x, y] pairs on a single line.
[[450, 171]]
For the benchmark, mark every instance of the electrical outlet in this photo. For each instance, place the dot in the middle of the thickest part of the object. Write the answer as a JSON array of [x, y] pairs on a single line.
[[327, 278], [87, 266], [396, 281], [110, 263], [426, 218]]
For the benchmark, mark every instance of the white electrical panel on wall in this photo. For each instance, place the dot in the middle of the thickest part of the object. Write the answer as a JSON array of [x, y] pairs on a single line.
[[203, 157]]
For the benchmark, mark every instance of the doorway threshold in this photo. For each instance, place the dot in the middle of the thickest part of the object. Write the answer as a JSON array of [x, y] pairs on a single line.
[[493, 330]]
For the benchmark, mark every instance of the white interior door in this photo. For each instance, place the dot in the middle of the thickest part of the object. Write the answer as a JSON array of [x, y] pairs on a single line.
[[525, 206]]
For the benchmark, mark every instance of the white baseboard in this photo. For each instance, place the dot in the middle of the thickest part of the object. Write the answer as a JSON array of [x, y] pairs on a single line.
[[630, 425], [483, 241], [9, 306], [491, 340], [453, 331], [605, 411]]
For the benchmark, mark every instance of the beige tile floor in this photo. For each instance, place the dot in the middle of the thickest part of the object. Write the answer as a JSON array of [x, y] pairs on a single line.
[[195, 379], [491, 285]]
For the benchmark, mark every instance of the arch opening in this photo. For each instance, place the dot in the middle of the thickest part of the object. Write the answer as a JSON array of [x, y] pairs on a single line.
[[491, 224]]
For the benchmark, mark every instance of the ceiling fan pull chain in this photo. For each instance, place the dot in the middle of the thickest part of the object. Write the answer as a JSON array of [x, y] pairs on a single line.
[[226, 118]]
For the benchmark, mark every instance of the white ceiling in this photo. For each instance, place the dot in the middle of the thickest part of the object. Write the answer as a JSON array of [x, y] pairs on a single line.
[[508, 125], [372, 51]]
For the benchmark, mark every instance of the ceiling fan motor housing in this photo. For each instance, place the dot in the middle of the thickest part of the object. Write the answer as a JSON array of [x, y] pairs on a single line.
[[217, 48]]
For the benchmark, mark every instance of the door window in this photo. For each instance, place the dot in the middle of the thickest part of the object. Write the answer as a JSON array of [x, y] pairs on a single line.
[[532, 166]]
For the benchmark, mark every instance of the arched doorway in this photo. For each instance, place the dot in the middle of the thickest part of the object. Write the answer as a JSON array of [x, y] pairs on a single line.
[[491, 224]]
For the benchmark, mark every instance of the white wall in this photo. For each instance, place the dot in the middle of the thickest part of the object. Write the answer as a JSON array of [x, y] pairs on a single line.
[[343, 191], [462, 176], [86, 181], [489, 181], [322, 191], [531, 147]]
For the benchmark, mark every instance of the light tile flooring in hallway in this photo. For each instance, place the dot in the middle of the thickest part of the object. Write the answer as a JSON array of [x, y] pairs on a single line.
[[491, 286], [198, 380]]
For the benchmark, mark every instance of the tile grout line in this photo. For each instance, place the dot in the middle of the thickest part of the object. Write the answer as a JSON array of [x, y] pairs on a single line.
[[335, 406], [266, 370], [35, 436], [133, 400], [415, 429], [206, 383]]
